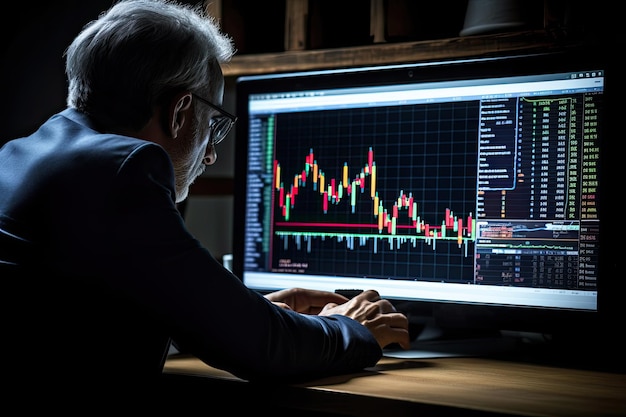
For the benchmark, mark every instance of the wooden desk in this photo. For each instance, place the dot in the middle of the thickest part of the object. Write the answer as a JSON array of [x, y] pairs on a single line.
[[411, 387]]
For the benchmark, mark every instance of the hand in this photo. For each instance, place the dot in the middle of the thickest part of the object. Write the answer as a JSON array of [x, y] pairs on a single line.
[[304, 300], [377, 314]]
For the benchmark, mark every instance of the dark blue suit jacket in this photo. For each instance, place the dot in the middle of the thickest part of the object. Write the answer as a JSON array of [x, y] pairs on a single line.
[[100, 271]]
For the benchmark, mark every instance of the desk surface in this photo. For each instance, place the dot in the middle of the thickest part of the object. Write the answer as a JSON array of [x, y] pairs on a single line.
[[441, 386]]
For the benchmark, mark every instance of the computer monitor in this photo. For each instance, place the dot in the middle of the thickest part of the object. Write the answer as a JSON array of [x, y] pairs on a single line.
[[469, 192]]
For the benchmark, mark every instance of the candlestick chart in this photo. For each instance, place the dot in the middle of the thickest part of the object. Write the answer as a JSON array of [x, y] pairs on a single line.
[[407, 211], [386, 220]]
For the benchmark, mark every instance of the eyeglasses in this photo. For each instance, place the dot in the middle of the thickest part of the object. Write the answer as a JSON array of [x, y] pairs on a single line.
[[220, 125]]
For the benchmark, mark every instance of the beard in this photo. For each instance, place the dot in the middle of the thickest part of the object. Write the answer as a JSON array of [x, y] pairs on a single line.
[[188, 165], [186, 174]]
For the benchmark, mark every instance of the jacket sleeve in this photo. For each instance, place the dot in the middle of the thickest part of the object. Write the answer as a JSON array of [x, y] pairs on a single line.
[[207, 310]]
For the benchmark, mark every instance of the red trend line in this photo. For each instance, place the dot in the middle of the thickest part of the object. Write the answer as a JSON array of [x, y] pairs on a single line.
[[309, 224]]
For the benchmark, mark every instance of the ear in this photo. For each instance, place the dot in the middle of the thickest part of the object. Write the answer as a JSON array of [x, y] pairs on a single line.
[[179, 113]]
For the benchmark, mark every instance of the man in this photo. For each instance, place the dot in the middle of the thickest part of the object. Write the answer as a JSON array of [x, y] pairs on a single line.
[[99, 269]]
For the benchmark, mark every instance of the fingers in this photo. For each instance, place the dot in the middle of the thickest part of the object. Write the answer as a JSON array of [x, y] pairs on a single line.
[[313, 301], [399, 336], [386, 324], [378, 305], [321, 298], [282, 305], [304, 300], [377, 314], [390, 328], [278, 296], [370, 295]]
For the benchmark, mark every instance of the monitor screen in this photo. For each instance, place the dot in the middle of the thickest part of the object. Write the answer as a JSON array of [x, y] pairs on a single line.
[[469, 188]]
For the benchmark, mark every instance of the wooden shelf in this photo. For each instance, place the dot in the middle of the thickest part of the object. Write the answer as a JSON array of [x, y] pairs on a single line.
[[392, 53]]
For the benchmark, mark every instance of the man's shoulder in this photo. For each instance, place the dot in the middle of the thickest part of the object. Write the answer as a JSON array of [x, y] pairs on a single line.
[[76, 134]]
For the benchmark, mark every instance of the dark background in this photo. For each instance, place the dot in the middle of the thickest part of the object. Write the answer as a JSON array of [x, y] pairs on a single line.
[[32, 76], [34, 35]]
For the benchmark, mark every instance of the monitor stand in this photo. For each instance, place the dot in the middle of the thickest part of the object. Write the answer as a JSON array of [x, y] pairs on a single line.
[[434, 342]]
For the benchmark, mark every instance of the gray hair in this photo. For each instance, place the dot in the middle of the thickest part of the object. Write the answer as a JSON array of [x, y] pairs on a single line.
[[137, 55]]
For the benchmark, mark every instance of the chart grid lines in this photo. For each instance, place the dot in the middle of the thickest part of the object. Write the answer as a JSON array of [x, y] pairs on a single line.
[[397, 136]]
